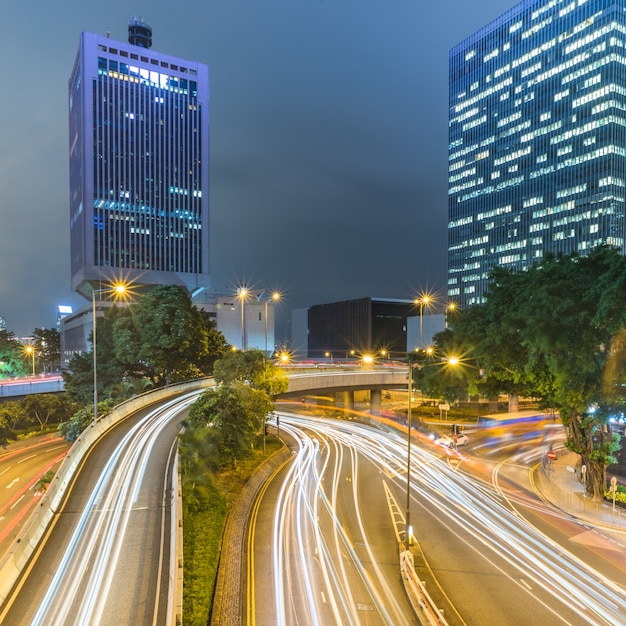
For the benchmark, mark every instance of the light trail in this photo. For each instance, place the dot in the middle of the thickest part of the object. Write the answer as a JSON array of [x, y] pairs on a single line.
[[474, 511], [79, 590]]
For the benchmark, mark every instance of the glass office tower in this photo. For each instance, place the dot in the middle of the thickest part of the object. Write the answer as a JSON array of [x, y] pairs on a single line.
[[537, 144], [139, 165]]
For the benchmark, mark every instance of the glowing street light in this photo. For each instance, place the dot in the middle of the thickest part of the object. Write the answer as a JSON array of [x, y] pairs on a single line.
[[117, 290], [242, 294], [451, 307], [452, 360], [275, 297], [31, 351], [424, 300]]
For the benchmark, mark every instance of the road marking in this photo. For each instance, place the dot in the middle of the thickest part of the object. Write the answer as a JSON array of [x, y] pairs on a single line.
[[525, 584], [32, 456], [17, 502], [17, 480], [5, 470]]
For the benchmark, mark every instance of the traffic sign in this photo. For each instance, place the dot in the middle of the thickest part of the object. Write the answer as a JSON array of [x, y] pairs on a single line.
[[551, 455]]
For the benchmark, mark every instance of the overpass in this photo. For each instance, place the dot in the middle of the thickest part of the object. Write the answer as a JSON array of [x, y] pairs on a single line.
[[303, 381], [20, 387], [344, 382]]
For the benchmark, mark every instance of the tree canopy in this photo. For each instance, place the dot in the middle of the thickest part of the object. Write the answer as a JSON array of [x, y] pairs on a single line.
[[555, 332], [160, 339]]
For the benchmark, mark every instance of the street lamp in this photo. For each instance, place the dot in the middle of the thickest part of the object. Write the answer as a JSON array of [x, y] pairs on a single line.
[[452, 360], [424, 300], [31, 350], [451, 307], [117, 290], [408, 529], [275, 297], [242, 294]]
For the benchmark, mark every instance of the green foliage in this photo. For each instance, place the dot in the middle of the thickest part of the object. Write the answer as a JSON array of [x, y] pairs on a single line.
[[42, 484], [72, 429], [556, 332], [48, 348], [234, 412], [44, 408], [12, 362], [162, 338], [253, 368], [167, 335]]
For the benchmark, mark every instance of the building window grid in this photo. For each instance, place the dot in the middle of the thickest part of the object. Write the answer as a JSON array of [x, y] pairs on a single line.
[[112, 229], [593, 166]]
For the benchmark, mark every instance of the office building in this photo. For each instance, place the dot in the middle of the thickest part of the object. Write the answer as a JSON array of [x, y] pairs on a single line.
[[139, 165], [537, 145]]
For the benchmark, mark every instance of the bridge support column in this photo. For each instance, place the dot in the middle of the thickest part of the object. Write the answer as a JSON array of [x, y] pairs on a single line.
[[375, 399], [345, 399]]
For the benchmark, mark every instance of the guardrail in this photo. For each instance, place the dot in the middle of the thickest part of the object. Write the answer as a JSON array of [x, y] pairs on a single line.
[[426, 609], [28, 540]]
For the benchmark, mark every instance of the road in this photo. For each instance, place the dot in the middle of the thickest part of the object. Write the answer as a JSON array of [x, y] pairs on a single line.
[[105, 559], [21, 467], [323, 550]]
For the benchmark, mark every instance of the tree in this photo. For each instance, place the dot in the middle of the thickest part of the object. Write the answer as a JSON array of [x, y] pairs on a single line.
[[162, 338], [236, 411], [556, 332], [48, 348], [251, 367], [166, 334], [12, 361], [44, 408]]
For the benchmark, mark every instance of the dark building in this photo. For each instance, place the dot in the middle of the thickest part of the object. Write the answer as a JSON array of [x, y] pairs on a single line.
[[350, 329]]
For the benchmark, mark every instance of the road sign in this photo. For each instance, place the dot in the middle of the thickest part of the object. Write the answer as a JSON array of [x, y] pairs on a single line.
[[551, 455]]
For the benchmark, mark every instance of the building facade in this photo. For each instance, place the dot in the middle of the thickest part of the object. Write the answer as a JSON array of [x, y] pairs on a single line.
[[139, 165], [537, 139], [350, 329]]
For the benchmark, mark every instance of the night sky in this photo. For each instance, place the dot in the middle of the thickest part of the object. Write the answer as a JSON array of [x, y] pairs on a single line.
[[328, 142]]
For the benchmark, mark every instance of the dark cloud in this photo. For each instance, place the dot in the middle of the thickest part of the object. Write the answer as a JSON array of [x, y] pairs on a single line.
[[328, 142]]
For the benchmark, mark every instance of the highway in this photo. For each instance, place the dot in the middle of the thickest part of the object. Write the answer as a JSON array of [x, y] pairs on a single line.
[[21, 467], [323, 550], [105, 559]]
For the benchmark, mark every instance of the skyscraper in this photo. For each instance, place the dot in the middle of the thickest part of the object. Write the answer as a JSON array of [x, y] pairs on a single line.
[[537, 145], [139, 165]]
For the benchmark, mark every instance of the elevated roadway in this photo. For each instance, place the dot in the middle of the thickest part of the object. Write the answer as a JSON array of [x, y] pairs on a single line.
[[324, 380]]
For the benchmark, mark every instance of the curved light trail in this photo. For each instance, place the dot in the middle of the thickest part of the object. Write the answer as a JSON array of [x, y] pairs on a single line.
[[310, 532], [80, 589]]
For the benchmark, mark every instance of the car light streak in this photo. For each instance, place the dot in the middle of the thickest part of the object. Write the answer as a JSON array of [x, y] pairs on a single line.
[[80, 587], [332, 584], [473, 510]]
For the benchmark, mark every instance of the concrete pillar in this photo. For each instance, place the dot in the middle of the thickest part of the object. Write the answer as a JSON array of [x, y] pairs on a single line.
[[345, 399], [375, 397]]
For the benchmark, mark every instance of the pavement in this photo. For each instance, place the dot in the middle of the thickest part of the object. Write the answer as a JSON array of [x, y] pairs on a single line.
[[560, 483]]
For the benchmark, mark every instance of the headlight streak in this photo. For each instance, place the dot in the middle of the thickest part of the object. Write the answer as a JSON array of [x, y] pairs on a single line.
[[508, 535], [310, 494], [92, 553]]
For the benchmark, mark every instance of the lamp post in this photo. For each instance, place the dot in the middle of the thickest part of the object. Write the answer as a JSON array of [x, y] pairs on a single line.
[[408, 528], [450, 360], [117, 290], [242, 294], [451, 307], [274, 297], [424, 300], [31, 350]]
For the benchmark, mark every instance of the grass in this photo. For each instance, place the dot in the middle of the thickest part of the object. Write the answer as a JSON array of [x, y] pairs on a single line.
[[204, 517]]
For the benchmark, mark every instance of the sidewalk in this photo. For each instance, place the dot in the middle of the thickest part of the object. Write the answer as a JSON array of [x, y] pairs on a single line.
[[559, 483]]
